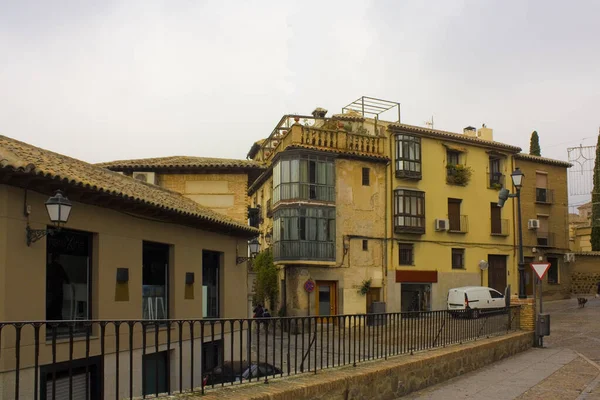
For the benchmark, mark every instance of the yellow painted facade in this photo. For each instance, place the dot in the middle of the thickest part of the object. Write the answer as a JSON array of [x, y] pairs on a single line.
[[369, 244]]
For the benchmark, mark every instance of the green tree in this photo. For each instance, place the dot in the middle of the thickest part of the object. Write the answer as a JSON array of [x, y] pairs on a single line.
[[267, 279], [596, 201], [534, 145]]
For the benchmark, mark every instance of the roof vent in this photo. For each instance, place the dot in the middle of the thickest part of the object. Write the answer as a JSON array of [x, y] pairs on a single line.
[[319, 112]]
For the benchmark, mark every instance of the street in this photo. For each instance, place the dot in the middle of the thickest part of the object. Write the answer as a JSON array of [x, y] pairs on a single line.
[[566, 368]]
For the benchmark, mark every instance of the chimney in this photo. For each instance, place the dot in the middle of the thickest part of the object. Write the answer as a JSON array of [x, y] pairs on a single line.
[[485, 133], [470, 131], [319, 112]]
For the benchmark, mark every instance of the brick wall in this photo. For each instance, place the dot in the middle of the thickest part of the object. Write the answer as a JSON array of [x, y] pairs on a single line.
[[223, 193], [585, 274]]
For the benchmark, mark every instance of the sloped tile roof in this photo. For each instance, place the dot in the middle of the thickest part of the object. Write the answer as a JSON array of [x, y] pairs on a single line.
[[543, 160], [180, 162], [452, 136], [25, 158]]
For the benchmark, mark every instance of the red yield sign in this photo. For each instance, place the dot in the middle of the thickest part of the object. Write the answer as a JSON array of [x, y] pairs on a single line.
[[540, 269]]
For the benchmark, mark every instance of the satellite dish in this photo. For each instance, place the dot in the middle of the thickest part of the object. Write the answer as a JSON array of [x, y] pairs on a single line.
[[483, 265]]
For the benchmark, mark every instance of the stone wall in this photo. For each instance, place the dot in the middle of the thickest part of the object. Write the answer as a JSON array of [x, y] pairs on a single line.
[[585, 274], [384, 379], [223, 193]]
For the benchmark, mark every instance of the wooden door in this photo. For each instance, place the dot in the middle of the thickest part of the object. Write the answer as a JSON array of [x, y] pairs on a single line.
[[373, 295], [497, 272], [454, 214], [496, 215], [326, 298]]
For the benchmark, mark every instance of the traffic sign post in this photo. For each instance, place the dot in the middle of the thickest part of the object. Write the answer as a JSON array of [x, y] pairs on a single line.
[[540, 270]]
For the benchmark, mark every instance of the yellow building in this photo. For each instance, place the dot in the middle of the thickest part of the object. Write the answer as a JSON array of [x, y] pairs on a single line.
[[371, 210]]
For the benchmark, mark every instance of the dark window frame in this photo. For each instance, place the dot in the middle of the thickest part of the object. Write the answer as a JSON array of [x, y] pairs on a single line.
[[366, 176], [403, 197], [167, 295], [93, 365], [304, 229], [453, 157], [296, 177], [406, 254], [206, 269], [365, 245], [458, 258], [405, 145]]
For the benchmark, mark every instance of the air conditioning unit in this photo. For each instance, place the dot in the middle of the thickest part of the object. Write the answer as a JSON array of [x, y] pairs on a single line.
[[533, 223], [148, 177], [569, 257], [442, 224]]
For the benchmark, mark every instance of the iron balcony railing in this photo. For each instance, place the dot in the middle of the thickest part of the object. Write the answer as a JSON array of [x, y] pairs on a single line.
[[495, 180], [545, 239], [459, 225], [304, 250], [132, 358], [499, 227], [544, 196]]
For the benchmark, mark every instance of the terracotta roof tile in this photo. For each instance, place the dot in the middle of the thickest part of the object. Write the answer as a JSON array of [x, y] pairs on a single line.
[[23, 157], [452, 136], [181, 162], [543, 160]]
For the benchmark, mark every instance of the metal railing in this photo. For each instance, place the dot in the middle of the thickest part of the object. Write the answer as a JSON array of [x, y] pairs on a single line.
[[131, 358], [499, 227], [495, 180], [459, 225], [545, 239], [303, 250], [544, 196]]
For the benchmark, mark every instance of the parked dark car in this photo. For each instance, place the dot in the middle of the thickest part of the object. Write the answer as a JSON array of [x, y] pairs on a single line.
[[232, 372]]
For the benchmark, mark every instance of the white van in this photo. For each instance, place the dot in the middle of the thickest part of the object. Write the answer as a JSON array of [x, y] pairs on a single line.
[[477, 299]]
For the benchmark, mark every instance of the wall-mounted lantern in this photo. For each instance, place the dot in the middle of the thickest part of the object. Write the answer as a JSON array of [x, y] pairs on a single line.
[[253, 247], [59, 209], [268, 238]]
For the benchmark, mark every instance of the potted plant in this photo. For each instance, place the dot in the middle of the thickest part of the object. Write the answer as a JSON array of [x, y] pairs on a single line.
[[458, 174]]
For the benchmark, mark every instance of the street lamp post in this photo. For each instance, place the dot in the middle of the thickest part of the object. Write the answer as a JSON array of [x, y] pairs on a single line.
[[517, 181]]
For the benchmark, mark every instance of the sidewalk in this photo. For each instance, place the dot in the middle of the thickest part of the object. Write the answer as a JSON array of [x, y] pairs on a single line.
[[536, 374]]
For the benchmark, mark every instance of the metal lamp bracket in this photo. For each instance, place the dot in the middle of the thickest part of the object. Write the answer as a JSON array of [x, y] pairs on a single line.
[[33, 235]]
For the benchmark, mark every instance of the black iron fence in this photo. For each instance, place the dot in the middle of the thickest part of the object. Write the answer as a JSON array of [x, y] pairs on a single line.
[[127, 359]]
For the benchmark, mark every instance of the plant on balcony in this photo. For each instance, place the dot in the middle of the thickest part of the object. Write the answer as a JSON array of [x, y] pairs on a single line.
[[267, 279], [496, 185], [458, 174], [364, 288]]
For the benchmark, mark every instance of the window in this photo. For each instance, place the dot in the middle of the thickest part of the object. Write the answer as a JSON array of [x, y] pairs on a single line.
[[211, 274], [68, 276], [553, 270], [212, 354], [304, 233], [409, 211], [458, 258], [542, 194], [452, 157], [496, 178], [365, 176], [304, 177], [408, 157], [365, 244], [254, 216], [154, 369], [155, 280], [496, 295], [85, 376], [406, 254]]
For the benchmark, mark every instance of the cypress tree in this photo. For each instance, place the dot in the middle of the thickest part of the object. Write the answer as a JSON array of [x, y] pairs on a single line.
[[596, 201], [534, 145]]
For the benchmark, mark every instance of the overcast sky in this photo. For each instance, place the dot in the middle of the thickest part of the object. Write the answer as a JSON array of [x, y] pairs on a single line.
[[109, 80]]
